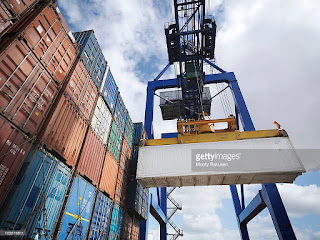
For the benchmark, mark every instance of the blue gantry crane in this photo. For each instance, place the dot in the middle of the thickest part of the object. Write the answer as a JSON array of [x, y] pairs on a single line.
[[191, 44]]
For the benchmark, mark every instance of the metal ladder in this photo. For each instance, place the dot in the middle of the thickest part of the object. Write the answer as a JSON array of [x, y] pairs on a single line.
[[176, 206]]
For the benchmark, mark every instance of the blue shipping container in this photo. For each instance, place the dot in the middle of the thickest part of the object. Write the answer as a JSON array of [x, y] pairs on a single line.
[[137, 198], [37, 195], [100, 218], [92, 55], [120, 113], [116, 223], [134, 160], [110, 91], [138, 133], [77, 214], [169, 135]]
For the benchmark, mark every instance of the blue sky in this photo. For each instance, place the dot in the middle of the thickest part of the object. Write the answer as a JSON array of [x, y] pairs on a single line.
[[273, 49]]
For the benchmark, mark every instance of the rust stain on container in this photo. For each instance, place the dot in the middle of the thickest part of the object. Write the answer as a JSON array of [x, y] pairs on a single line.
[[14, 147], [81, 88], [92, 158], [135, 229], [65, 130], [121, 187], [50, 42], [125, 155], [109, 175], [26, 89]]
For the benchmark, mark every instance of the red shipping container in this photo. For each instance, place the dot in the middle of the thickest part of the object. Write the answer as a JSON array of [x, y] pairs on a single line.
[[14, 147], [26, 89], [81, 88], [121, 187], [109, 175], [126, 233], [18, 7], [125, 156], [65, 130], [92, 158], [135, 229], [50, 42], [5, 16]]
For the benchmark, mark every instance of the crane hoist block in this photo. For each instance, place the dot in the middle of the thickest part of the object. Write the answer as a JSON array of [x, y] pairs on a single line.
[[251, 158]]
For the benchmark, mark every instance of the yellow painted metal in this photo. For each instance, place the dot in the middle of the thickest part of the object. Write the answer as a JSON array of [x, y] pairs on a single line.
[[217, 136]]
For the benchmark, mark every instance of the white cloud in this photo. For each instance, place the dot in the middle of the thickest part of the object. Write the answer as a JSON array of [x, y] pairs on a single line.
[[300, 200]]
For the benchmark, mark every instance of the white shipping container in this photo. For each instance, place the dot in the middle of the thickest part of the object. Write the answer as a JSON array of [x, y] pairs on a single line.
[[264, 160], [101, 120]]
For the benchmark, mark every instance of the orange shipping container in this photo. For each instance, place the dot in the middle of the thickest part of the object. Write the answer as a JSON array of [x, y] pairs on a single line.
[[81, 88], [26, 89], [65, 130], [14, 147], [125, 155], [92, 157], [109, 175], [121, 187], [48, 39]]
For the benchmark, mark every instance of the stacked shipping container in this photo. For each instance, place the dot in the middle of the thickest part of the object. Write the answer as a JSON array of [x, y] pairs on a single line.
[[73, 181]]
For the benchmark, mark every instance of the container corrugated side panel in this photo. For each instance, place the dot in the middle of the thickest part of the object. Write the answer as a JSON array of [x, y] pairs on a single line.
[[134, 160], [138, 133], [120, 113], [65, 130], [116, 223], [125, 156], [51, 43], [37, 195], [115, 141], [101, 120], [121, 187], [127, 226], [26, 90], [135, 229], [14, 148], [92, 158], [109, 175], [5, 18], [92, 56], [129, 129], [110, 91], [101, 217], [18, 8], [81, 89], [171, 165], [76, 218]]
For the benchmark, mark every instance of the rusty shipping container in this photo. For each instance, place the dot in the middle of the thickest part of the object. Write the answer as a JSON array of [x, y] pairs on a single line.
[[109, 175], [5, 18], [135, 229], [125, 156], [14, 147], [121, 187], [65, 130], [81, 89], [26, 89], [50, 42], [126, 233], [92, 158]]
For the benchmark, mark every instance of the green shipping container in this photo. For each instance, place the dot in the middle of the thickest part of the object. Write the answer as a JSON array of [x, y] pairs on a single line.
[[115, 141], [129, 128]]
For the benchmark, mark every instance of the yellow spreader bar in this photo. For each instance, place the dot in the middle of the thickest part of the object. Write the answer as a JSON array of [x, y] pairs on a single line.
[[77, 217], [216, 137]]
